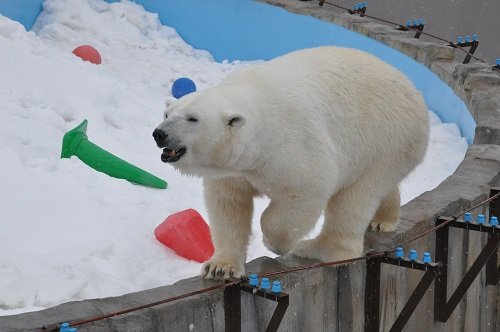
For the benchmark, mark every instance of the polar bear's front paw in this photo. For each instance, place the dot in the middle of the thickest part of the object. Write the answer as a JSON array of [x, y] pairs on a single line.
[[219, 269]]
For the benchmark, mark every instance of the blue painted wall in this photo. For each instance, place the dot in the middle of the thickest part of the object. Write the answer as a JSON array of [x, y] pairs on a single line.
[[23, 11], [247, 30]]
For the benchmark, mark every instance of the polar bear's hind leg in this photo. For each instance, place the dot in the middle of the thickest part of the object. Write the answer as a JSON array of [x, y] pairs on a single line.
[[347, 216], [387, 216]]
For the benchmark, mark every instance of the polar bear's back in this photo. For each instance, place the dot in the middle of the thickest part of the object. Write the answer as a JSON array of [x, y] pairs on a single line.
[[332, 101], [332, 79]]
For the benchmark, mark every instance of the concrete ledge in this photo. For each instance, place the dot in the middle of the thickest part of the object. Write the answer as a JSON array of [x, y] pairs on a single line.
[[332, 299]]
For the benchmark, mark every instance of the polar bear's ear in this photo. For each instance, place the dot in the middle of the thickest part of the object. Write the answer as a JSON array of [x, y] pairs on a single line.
[[235, 120], [169, 102]]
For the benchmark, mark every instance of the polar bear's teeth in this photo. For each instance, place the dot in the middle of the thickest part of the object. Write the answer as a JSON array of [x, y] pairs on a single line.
[[172, 155], [169, 152]]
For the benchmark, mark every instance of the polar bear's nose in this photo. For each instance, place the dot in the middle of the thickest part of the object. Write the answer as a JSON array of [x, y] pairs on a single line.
[[159, 136]]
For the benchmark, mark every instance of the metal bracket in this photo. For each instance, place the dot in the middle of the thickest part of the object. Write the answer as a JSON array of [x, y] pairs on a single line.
[[361, 11], [418, 28], [443, 308], [473, 47], [232, 306], [372, 291]]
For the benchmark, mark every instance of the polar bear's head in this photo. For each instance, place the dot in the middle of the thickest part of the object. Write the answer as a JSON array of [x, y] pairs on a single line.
[[203, 135]]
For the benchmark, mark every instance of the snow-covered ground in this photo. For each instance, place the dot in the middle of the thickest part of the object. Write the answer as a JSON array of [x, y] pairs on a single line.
[[68, 232]]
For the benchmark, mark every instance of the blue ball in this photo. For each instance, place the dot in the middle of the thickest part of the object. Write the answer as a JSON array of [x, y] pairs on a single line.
[[182, 86]]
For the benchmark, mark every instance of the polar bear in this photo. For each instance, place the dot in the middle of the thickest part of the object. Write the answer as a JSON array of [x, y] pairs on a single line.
[[325, 130]]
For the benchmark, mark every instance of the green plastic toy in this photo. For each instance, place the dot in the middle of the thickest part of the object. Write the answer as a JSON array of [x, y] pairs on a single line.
[[76, 143]]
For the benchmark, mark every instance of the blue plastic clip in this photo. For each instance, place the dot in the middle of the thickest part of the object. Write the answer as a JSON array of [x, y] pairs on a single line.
[[276, 287], [480, 219], [426, 258], [413, 255], [467, 217], [408, 23], [474, 38], [498, 62], [422, 22], [415, 23], [494, 221], [459, 40], [467, 39], [72, 329], [265, 284], [253, 280], [400, 252], [355, 7], [64, 327]]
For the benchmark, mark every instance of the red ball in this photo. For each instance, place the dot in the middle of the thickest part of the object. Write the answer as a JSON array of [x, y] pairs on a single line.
[[88, 53]]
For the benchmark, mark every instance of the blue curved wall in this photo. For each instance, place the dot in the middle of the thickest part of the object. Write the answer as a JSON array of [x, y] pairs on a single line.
[[247, 30], [23, 11]]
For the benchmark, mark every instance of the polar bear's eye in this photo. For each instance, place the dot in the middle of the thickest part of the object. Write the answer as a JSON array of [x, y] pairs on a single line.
[[192, 119], [235, 121]]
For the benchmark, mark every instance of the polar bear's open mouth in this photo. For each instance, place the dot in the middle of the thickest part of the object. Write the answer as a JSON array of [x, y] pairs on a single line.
[[171, 155]]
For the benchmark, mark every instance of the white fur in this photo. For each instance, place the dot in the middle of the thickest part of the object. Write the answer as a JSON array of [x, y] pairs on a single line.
[[325, 129]]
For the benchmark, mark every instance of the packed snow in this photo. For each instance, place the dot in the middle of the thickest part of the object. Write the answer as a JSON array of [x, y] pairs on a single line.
[[68, 232]]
